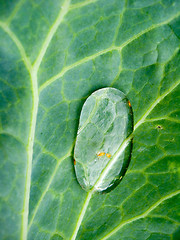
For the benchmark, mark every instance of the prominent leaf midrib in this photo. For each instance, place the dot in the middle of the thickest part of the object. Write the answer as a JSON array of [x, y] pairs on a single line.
[[35, 97], [34, 75], [35, 94], [110, 49], [91, 192], [81, 215], [29, 147], [98, 182], [155, 205], [123, 145]]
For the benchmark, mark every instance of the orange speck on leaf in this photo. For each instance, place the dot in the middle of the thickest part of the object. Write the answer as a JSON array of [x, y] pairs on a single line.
[[129, 103], [74, 162], [101, 154], [108, 155]]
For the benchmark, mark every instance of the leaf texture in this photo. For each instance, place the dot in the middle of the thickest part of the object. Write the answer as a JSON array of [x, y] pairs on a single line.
[[54, 54]]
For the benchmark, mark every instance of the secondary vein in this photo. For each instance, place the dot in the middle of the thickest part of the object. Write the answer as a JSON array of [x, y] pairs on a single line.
[[123, 145], [104, 51], [141, 215], [18, 44], [62, 13], [159, 99], [15, 11], [47, 187]]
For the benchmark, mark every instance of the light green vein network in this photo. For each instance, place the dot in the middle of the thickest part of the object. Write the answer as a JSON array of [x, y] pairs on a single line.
[[33, 71]]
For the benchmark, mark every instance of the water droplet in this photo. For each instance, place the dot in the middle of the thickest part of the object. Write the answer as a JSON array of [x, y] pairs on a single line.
[[103, 146]]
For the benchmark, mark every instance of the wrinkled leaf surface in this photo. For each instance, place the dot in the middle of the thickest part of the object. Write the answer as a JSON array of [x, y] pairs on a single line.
[[53, 55]]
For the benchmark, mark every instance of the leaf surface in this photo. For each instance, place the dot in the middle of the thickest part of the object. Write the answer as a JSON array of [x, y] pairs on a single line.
[[54, 54]]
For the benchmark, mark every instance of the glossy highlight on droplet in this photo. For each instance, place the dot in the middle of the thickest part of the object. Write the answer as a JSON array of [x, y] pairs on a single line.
[[103, 147]]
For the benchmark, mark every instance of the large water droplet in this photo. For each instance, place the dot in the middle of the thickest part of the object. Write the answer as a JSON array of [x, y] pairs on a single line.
[[103, 146]]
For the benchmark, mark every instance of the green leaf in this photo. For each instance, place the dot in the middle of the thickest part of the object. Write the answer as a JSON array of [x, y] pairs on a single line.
[[103, 147], [53, 55]]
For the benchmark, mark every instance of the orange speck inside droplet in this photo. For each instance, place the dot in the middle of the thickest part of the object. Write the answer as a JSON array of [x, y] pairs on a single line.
[[108, 155], [101, 154], [129, 103]]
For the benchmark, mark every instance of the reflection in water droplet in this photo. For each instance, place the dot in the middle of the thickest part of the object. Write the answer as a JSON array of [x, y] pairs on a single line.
[[103, 146]]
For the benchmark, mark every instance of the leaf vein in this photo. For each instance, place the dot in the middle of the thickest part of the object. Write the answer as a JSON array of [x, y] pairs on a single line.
[[18, 44], [62, 13], [141, 215], [15, 11], [123, 145], [47, 187], [110, 49]]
